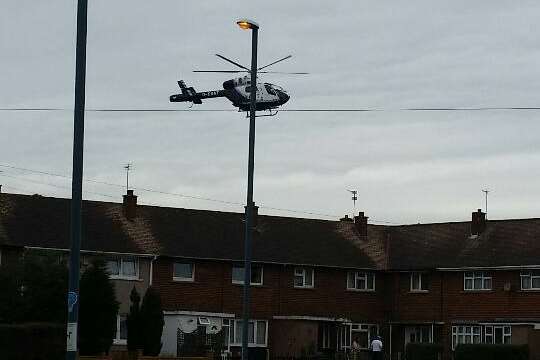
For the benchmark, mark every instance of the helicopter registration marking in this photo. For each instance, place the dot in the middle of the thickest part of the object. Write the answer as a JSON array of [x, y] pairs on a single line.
[[210, 93]]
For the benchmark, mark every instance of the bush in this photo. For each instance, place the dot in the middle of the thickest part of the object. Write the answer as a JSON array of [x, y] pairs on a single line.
[[491, 352], [98, 310], [32, 341], [423, 351], [151, 318]]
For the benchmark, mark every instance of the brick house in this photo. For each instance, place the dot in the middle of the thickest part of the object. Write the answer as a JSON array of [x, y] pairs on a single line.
[[317, 285]]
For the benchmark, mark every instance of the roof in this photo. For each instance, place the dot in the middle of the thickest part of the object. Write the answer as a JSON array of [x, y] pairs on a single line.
[[37, 221], [450, 245]]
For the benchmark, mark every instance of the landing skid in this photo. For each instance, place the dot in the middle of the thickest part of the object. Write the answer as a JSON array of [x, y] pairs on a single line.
[[270, 113]]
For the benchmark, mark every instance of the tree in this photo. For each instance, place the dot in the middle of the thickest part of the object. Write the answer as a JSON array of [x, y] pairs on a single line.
[[134, 322], [33, 289], [97, 310], [151, 322]]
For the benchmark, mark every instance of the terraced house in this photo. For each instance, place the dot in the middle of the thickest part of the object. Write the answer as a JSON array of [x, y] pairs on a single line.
[[317, 285]]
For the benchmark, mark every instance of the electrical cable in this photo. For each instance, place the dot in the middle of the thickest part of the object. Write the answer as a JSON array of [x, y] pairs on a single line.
[[160, 192]]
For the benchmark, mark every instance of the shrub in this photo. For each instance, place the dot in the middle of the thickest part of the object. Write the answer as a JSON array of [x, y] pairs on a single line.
[[491, 352], [151, 317], [98, 310], [423, 351], [134, 322], [32, 341]]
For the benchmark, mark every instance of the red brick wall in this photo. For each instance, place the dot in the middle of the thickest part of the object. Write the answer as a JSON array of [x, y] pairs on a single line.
[[212, 291]]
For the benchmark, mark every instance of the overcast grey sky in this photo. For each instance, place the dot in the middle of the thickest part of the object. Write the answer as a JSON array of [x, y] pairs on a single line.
[[407, 166]]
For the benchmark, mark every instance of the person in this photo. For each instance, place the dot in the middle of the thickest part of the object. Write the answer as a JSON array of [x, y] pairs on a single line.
[[355, 351], [376, 348]]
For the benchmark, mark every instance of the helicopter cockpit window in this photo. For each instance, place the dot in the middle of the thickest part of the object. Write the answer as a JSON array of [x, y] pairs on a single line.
[[269, 89]]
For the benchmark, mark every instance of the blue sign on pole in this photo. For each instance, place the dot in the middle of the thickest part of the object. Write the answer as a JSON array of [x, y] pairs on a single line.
[[72, 300]]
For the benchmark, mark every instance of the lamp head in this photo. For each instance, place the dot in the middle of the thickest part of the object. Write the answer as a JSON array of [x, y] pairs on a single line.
[[247, 24]]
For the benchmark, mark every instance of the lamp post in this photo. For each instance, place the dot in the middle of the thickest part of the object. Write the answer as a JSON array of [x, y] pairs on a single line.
[[76, 185], [254, 27]]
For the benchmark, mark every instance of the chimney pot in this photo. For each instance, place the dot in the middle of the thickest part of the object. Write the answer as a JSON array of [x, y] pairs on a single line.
[[478, 222], [346, 218], [360, 222], [130, 205]]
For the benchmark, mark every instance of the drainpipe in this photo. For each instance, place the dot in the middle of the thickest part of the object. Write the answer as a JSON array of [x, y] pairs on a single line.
[[152, 269], [390, 342]]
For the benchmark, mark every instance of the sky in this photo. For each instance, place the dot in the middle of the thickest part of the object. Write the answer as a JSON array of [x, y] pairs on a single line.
[[407, 167]]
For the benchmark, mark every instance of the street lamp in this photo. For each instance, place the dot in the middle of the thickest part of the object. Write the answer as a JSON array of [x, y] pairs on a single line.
[[254, 27]]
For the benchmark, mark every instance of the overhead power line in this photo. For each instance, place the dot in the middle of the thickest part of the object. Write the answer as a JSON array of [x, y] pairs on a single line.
[[150, 110], [48, 173]]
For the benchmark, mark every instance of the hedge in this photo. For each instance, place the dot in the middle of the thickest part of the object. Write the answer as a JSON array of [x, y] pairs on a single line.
[[32, 341], [491, 352], [423, 351]]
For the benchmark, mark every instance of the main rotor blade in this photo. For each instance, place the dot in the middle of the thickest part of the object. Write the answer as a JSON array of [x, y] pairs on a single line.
[[280, 72], [232, 62], [220, 71], [275, 62]]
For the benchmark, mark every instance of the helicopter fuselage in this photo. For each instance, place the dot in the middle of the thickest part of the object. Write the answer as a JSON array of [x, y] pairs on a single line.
[[238, 92]]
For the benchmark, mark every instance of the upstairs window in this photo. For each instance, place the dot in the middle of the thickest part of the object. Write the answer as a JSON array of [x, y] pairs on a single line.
[[358, 280], [530, 280], [303, 277], [419, 282], [256, 274], [476, 280], [183, 271], [126, 268]]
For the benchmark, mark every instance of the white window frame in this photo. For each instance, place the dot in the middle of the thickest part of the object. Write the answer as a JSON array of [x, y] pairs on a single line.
[[482, 275], [411, 282], [241, 282], [531, 275], [181, 278], [302, 271], [120, 275], [506, 333], [117, 340], [470, 332], [232, 333], [326, 336], [358, 275], [417, 329]]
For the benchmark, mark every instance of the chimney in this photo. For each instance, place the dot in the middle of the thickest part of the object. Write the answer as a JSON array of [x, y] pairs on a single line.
[[360, 222], [130, 205], [346, 218], [478, 222]]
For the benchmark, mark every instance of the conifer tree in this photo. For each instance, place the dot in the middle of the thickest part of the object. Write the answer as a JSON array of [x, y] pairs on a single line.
[[152, 322], [97, 312], [134, 322]]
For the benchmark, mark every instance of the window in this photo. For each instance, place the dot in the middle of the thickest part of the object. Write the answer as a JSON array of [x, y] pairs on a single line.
[[476, 280], [303, 277], [498, 334], [419, 282], [257, 330], [466, 335], [126, 268], [269, 89], [530, 280], [363, 281], [344, 337], [326, 336], [418, 334], [183, 272], [256, 274], [121, 330]]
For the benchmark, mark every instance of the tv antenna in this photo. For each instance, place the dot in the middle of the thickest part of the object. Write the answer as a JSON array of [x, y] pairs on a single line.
[[354, 198], [127, 167], [486, 192]]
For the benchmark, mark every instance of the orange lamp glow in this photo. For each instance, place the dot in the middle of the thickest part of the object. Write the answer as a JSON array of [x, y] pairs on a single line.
[[247, 24]]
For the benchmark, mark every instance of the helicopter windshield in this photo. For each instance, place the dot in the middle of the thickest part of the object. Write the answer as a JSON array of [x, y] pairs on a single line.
[[275, 87]]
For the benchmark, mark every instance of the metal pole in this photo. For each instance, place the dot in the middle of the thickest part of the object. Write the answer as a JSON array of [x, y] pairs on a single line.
[[250, 204], [76, 186]]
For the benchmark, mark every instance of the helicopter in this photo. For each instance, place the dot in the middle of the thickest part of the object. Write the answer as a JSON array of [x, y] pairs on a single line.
[[269, 97]]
